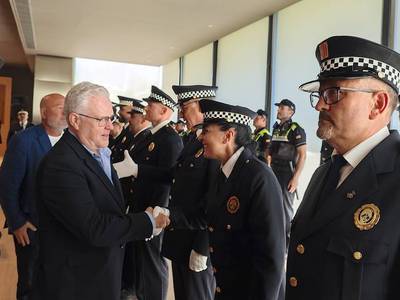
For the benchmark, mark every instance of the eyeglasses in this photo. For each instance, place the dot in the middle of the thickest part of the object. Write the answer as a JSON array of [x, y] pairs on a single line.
[[333, 95], [101, 121]]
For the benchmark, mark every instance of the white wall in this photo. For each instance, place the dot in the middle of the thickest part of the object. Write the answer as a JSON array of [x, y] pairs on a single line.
[[197, 66], [170, 77], [52, 75], [242, 64], [299, 28]]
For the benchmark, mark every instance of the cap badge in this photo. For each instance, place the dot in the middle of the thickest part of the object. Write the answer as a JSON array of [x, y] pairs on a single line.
[[199, 153], [381, 74], [151, 146], [367, 216], [233, 204], [323, 50]]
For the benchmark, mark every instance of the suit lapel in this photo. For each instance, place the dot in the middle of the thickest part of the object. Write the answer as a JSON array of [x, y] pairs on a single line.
[[43, 139], [94, 166], [358, 186]]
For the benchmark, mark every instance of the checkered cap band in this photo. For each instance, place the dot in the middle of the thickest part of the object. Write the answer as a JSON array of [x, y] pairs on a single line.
[[139, 109], [229, 117], [196, 94], [163, 100], [384, 70]]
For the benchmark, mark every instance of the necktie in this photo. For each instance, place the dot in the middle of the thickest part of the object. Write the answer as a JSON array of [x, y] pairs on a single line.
[[332, 178]]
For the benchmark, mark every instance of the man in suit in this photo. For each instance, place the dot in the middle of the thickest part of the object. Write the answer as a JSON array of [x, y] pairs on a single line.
[[18, 187], [140, 129], [22, 124], [162, 150], [83, 224], [344, 239]]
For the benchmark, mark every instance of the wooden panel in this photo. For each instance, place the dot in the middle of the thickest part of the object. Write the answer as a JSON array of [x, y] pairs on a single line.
[[8, 264], [5, 108]]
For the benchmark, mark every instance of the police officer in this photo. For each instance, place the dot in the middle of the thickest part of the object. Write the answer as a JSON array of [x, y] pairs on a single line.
[[345, 238], [121, 142], [162, 150], [192, 176], [140, 129], [288, 155], [244, 209], [261, 135]]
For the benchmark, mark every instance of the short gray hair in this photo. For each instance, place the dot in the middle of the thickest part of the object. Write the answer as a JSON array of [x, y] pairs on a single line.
[[79, 95]]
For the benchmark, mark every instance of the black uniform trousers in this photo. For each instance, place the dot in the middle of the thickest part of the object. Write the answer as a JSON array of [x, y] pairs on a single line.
[[27, 264], [284, 174], [151, 270]]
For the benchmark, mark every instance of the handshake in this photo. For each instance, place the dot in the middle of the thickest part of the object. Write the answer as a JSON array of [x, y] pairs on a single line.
[[161, 218]]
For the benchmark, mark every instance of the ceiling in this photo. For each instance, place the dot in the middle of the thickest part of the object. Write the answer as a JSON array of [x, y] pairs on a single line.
[[150, 32]]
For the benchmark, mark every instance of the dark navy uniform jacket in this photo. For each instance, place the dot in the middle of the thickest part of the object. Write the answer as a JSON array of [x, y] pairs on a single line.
[[160, 149], [330, 257], [120, 144], [246, 230]]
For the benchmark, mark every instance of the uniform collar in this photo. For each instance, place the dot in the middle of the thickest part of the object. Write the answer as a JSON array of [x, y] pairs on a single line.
[[159, 126], [228, 166]]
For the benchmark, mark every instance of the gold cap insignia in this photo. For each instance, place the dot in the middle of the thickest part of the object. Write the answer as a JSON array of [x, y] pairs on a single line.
[[199, 153], [367, 216], [151, 146], [233, 204]]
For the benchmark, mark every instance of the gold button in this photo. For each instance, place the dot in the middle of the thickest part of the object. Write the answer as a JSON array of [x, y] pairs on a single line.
[[218, 289], [293, 281], [300, 249], [211, 249], [171, 229], [228, 227], [210, 229], [214, 270], [147, 158], [191, 165], [357, 255]]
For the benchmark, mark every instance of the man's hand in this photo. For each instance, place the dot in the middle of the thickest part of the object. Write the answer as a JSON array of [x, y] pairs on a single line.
[[197, 262], [127, 167], [161, 216], [293, 183], [21, 234]]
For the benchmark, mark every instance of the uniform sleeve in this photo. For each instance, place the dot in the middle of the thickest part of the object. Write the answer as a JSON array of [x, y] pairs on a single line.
[[267, 237], [298, 137], [12, 173]]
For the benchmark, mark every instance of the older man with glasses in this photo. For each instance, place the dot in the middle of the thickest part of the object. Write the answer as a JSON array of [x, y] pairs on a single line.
[[344, 238], [83, 224]]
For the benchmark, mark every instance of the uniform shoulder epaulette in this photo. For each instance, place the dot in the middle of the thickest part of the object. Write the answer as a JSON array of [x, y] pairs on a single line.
[[294, 125]]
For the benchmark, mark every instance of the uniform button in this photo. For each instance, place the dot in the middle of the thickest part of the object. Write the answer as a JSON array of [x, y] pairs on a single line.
[[218, 289], [210, 229], [300, 249], [357, 255], [211, 249], [293, 281], [214, 270], [191, 165], [247, 161], [131, 191], [228, 227], [171, 229], [179, 165], [147, 158], [173, 181], [170, 197]]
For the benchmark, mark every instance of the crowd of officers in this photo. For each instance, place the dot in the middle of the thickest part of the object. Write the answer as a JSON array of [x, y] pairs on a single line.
[[163, 160]]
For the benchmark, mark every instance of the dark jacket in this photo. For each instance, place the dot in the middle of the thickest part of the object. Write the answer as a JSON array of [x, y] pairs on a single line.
[[83, 226], [329, 256], [16, 128], [18, 176]]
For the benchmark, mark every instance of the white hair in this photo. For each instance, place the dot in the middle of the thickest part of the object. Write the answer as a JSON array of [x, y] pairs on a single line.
[[79, 95]]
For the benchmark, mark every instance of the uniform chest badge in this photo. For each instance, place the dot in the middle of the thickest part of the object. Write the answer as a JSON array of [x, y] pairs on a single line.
[[151, 146], [367, 216], [199, 153], [233, 205]]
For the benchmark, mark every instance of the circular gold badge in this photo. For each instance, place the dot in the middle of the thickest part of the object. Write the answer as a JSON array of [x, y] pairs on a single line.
[[151, 146], [367, 216], [233, 204], [199, 153]]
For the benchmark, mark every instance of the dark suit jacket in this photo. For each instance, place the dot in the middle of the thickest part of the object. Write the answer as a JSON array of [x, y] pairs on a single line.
[[120, 144], [161, 149], [18, 176], [246, 230], [329, 266], [15, 128], [82, 226]]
